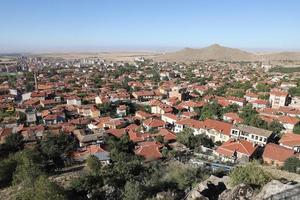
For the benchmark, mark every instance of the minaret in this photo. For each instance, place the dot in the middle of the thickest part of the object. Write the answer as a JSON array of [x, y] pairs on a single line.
[[35, 82]]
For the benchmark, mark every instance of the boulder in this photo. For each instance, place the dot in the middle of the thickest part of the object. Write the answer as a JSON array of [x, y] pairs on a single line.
[[279, 190], [239, 192], [209, 189]]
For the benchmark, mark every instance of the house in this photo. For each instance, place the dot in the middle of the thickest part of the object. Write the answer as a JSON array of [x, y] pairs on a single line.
[[121, 110], [290, 141], [252, 134], [86, 137], [150, 150], [95, 150], [217, 130], [250, 97], [158, 107], [235, 151], [235, 100], [191, 105], [50, 119], [195, 125], [73, 100], [288, 122], [30, 115], [102, 99], [88, 111], [142, 115], [168, 135], [259, 104], [143, 95], [278, 98], [169, 118], [190, 115], [276, 155], [232, 117], [153, 124]]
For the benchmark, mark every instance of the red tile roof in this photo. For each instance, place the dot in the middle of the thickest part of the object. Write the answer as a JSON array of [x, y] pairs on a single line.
[[240, 146], [168, 135], [290, 140], [288, 120], [149, 150], [218, 126], [277, 152], [154, 122]]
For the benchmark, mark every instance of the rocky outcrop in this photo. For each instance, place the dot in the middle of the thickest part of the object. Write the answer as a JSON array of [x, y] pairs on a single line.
[[273, 190], [239, 192], [219, 188], [209, 189], [278, 190]]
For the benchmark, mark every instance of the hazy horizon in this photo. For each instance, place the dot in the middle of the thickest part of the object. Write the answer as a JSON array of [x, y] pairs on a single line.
[[159, 26]]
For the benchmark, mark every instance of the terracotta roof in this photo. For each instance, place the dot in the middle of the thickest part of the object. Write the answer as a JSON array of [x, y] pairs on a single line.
[[168, 135], [171, 116], [192, 123], [135, 137], [277, 152], [218, 126], [260, 101], [240, 146], [149, 150], [233, 116], [288, 120], [154, 122], [278, 92], [116, 132], [290, 140]]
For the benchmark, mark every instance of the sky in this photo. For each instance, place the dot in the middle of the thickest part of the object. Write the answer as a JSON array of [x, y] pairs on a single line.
[[154, 25]]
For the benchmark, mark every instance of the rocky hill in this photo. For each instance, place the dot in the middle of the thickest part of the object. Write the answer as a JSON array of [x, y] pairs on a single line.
[[218, 52]]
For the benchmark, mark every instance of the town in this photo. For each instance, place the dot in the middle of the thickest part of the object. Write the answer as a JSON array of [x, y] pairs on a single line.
[[150, 129]]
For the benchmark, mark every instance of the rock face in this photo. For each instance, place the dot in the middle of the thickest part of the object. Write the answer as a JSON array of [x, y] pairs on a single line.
[[278, 190], [209, 189], [273, 190], [239, 192], [218, 188]]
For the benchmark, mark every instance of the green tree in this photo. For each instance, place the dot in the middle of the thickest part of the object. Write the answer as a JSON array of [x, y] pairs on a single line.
[[296, 129], [292, 164], [14, 142], [133, 191], [192, 141], [43, 189], [211, 111], [160, 139], [88, 185], [231, 108], [55, 147], [28, 168], [7, 169], [276, 127], [249, 174], [185, 136], [93, 164]]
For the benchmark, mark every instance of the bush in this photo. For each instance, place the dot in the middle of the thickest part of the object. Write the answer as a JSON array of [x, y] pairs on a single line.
[[249, 174], [292, 165]]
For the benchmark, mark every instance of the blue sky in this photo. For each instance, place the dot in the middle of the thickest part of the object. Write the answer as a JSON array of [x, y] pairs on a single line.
[[49, 25]]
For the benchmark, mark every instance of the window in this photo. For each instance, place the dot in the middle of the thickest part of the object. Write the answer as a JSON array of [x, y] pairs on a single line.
[[252, 136], [256, 137], [260, 138]]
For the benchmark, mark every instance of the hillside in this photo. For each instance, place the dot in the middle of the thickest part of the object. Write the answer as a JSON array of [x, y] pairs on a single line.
[[217, 52]]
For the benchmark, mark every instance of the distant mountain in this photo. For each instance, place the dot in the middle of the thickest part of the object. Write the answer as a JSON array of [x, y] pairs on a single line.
[[218, 52]]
